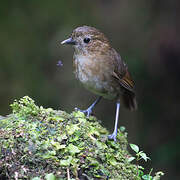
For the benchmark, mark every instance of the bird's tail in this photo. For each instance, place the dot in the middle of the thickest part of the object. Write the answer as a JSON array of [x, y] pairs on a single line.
[[129, 100]]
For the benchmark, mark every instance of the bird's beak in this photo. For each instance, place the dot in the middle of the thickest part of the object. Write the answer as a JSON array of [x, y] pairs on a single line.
[[69, 41]]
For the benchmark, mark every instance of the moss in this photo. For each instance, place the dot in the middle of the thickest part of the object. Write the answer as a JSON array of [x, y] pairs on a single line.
[[36, 141]]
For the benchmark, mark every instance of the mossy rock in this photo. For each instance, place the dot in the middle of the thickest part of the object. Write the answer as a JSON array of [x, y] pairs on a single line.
[[38, 143]]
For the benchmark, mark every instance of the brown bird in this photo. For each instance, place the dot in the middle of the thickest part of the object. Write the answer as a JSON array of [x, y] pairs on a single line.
[[101, 70]]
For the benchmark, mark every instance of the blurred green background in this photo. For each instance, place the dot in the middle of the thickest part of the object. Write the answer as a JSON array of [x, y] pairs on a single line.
[[145, 33]]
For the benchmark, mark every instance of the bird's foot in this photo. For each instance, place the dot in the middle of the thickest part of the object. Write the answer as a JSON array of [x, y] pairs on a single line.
[[87, 112], [113, 136]]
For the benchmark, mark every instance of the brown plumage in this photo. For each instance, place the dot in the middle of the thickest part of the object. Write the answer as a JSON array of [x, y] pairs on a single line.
[[100, 69]]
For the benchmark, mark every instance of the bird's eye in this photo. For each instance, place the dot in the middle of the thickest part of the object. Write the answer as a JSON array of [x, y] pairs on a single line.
[[86, 40]]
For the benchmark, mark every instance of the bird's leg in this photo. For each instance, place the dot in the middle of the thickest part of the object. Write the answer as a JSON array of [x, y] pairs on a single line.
[[88, 111], [114, 134]]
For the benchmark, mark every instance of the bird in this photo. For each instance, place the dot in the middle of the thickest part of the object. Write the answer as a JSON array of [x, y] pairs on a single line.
[[101, 70]]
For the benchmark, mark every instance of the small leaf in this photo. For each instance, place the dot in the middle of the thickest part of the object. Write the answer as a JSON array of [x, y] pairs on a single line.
[[71, 128], [134, 147], [110, 158], [147, 177], [56, 145], [50, 177], [73, 149], [36, 178], [113, 161], [94, 163], [144, 156], [122, 128], [66, 162], [131, 159], [140, 173], [140, 167], [158, 175]]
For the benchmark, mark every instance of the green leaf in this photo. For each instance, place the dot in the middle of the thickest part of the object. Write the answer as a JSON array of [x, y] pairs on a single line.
[[158, 175], [134, 147], [111, 159], [36, 178], [140, 173], [94, 163], [122, 128], [57, 145], [147, 177], [144, 156], [50, 177], [131, 159], [73, 149], [66, 162], [71, 128], [140, 167]]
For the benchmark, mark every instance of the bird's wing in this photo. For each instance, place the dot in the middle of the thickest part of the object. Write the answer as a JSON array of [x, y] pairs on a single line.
[[125, 80], [121, 73]]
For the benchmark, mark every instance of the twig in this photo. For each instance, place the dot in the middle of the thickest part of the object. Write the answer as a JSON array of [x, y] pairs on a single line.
[[68, 174]]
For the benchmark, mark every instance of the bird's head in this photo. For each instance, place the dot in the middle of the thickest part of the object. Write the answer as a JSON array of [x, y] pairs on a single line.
[[86, 39]]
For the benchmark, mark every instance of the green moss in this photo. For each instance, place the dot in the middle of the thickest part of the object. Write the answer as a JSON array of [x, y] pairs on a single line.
[[36, 141]]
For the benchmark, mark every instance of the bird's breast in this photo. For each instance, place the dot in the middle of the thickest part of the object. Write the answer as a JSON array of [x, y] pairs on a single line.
[[93, 76]]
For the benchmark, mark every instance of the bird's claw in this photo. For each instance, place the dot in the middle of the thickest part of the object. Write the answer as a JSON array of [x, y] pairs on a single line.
[[77, 109], [87, 112], [112, 136]]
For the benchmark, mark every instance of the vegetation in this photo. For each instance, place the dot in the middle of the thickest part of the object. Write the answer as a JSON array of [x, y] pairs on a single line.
[[38, 143]]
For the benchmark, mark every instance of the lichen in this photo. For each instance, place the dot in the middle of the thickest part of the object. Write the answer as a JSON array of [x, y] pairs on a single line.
[[36, 141]]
